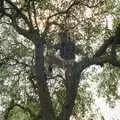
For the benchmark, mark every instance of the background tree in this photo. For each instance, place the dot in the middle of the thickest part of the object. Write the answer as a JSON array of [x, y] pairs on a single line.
[[29, 44]]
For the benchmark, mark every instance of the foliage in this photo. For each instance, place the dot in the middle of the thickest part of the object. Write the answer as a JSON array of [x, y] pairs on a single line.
[[23, 23]]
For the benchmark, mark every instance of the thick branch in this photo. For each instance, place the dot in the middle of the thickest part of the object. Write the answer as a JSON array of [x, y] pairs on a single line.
[[12, 106], [1, 8], [105, 45], [35, 14], [106, 59], [20, 30], [20, 13], [112, 41]]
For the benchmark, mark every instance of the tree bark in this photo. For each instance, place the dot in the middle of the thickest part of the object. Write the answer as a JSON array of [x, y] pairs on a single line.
[[46, 107], [71, 92], [72, 75]]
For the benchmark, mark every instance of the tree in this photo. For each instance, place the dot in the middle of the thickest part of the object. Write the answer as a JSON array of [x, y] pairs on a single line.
[[26, 17]]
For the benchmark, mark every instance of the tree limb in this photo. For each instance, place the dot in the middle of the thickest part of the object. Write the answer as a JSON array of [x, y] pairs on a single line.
[[35, 14], [13, 105], [106, 59], [105, 45], [20, 30], [20, 13]]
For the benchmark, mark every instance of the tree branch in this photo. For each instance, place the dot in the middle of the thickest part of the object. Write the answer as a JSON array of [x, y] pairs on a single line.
[[66, 11], [1, 8], [11, 107], [26, 109], [20, 30], [94, 5], [29, 12], [20, 14], [106, 59], [105, 45], [73, 81], [75, 2], [35, 14]]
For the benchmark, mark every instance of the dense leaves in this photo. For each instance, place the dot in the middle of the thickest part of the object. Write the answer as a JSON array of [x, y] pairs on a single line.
[[30, 43]]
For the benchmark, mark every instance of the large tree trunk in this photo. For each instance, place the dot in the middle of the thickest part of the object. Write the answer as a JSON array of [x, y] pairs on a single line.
[[72, 75], [71, 92], [46, 107]]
